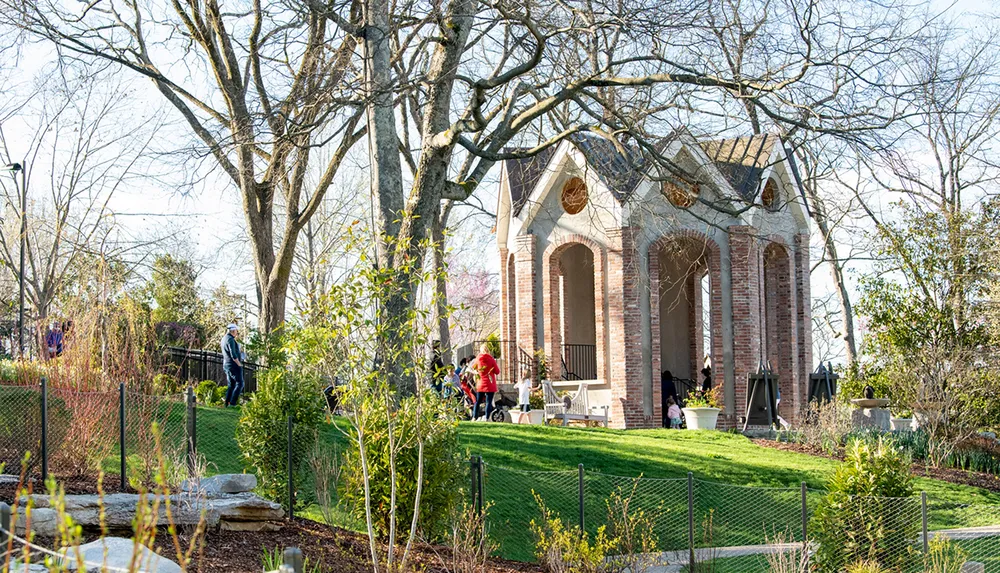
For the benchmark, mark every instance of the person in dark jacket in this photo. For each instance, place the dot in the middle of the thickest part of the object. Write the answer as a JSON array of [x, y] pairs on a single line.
[[667, 390], [232, 365]]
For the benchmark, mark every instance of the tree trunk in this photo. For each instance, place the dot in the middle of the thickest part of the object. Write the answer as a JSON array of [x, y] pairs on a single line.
[[441, 282]]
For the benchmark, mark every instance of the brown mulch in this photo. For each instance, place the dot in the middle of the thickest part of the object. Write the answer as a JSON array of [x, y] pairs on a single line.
[[333, 549], [241, 552], [962, 477], [75, 485]]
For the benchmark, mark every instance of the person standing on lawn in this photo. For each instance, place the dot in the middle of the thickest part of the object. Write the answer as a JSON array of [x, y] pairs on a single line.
[[487, 368], [232, 364]]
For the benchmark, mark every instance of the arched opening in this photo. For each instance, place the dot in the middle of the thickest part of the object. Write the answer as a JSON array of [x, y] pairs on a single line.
[[685, 305], [579, 317], [778, 329]]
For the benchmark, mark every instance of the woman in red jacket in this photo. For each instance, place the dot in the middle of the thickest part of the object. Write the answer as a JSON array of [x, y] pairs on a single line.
[[487, 368]]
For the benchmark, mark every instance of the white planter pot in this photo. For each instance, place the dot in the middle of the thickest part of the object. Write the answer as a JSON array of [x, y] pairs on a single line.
[[701, 418], [533, 417], [900, 424]]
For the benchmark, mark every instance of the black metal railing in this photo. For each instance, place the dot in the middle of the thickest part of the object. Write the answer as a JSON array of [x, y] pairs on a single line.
[[198, 365], [579, 362]]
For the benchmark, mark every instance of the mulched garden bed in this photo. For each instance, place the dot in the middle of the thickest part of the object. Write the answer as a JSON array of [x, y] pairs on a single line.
[[333, 549], [951, 475], [241, 552]]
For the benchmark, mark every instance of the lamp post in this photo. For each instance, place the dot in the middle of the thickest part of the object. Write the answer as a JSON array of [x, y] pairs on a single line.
[[14, 168]]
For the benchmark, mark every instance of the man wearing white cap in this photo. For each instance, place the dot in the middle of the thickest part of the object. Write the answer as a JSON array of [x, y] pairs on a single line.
[[232, 366]]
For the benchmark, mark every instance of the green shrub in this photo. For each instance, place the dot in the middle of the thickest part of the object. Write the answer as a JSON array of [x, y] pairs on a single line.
[[443, 471], [166, 384], [262, 431], [943, 556], [868, 514], [562, 549], [865, 567], [210, 393], [493, 345], [8, 371]]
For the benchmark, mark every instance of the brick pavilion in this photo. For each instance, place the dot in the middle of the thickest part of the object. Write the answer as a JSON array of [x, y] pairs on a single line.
[[619, 274]]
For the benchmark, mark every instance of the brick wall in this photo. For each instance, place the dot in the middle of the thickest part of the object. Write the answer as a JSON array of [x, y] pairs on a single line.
[[625, 330], [744, 254], [526, 292], [803, 315]]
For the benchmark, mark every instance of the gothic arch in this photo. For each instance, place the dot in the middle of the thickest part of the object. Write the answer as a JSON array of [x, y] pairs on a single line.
[[712, 255], [552, 271]]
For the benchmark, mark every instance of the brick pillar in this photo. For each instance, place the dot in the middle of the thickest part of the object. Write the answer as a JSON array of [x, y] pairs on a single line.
[[506, 296], [624, 323], [526, 294], [552, 296], [744, 254], [803, 316], [653, 263]]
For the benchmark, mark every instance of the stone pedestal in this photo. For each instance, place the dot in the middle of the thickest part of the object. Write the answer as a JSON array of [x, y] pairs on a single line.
[[871, 417]]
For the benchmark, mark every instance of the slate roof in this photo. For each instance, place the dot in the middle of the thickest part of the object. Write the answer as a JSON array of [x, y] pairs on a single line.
[[741, 161]]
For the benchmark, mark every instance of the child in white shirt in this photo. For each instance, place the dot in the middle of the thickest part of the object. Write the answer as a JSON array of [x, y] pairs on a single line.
[[674, 413], [523, 397], [451, 383]]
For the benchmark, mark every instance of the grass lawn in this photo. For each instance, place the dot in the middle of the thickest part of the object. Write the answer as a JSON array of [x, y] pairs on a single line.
[[526, 460]]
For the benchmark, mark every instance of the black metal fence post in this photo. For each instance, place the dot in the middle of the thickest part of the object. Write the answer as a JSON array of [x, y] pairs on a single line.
[[5, 521], [923, 519], [805, 518], [473, 481], [121, 437], [292, 561], [481, 488], [291, 473], [580, 468], [45, 429], [691, 564], [192, 433]]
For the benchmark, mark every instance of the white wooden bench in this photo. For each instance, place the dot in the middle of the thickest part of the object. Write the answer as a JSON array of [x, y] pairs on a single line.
[[575, 407]]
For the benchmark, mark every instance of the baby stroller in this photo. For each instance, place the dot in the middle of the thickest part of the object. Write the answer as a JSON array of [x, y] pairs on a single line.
[[502, 404]]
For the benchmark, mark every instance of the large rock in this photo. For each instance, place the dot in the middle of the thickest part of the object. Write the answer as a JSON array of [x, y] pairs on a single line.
[[7, 479], [119, 509], [31, 568], [224, 483], [116, 553], [973, 567], [43, 521]]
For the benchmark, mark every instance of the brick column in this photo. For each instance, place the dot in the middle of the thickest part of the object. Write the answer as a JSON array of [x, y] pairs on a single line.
[[624, 323], [653, 264], [782, 329], [744, 255], [526, 322], [803, 315], [506, 322]]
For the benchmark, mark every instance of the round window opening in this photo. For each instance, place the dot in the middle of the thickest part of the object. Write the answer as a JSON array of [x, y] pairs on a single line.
[[574, 196], [769, 196], [683, 195]]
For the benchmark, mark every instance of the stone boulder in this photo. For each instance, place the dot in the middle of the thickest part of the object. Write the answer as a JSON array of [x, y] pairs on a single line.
[[44, 522], [117, 553], [973, 567], [7, 479], [185, 509], [224, 483]]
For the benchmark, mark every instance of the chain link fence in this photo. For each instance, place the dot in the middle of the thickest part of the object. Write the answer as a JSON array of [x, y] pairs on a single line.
[[707, 526], [698, 525]]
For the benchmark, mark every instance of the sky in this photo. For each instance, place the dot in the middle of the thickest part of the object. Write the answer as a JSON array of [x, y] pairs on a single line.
[[206, 222]]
